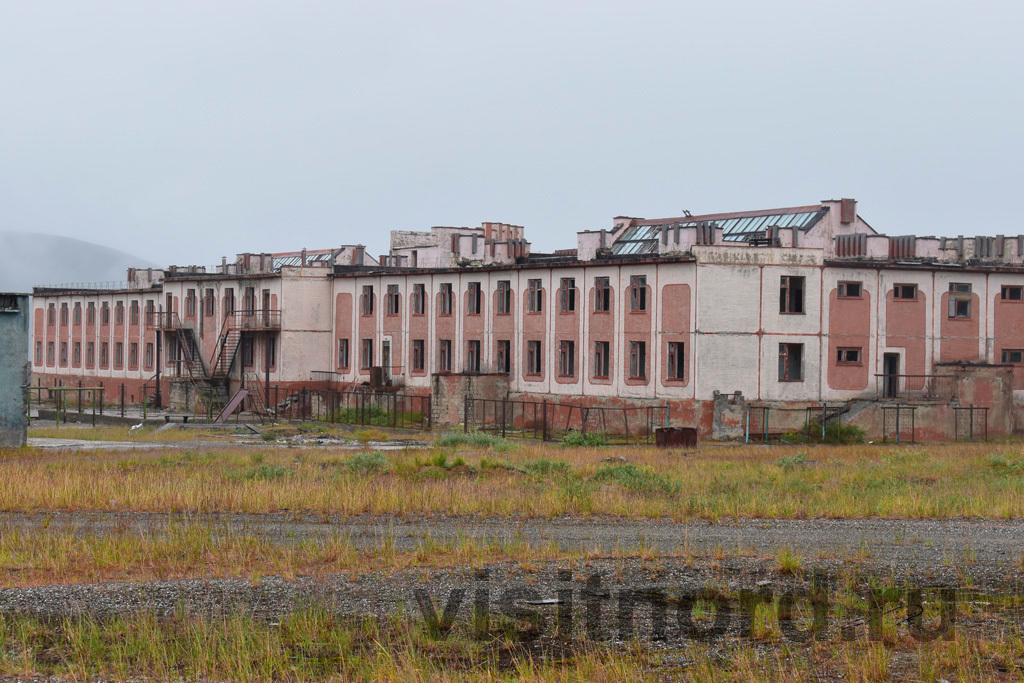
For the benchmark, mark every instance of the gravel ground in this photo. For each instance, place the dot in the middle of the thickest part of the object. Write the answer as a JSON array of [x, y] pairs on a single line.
[[884, 544], [977, 558]]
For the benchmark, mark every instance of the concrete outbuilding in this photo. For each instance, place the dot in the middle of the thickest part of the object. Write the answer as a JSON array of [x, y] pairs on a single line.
[[14, 369]]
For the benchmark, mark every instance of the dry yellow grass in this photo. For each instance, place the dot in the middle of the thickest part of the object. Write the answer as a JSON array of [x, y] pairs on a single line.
[[963, 480], [191, 550]]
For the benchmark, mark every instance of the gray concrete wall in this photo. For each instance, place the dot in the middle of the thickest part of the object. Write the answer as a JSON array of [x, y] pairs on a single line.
[[14, 370]]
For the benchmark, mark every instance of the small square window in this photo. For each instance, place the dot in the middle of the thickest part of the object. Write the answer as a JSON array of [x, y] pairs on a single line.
[[1013, 356], [904, 292], [848, 356], [1013, 293], [849, 290]]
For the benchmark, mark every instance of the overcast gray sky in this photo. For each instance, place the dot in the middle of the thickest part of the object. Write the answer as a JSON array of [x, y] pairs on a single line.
[[184, 131]]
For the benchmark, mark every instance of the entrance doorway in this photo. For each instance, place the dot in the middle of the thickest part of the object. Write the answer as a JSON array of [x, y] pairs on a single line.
[[891, 374]]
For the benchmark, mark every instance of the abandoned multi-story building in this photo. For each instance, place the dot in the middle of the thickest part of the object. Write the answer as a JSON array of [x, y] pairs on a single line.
[[14, 371], [715, 314]]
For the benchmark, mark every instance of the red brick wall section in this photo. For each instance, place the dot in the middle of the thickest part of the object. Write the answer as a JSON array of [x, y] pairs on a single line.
[[567, 328], [906, 327], [504, 327], [1009, 333], [535, 328], [343, 328], [637, 326], [849, 326], [959, 336], [675, 327], [601, 328]]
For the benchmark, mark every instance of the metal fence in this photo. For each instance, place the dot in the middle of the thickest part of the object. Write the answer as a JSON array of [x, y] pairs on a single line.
[[815, 423], [380, 409], [971, 423], [899, 423], [550, 421]]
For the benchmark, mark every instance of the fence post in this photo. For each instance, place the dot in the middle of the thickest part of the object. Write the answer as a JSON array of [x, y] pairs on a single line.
[[465, 414], [504, 414], [394, 412], [102, 391], [122, 399], [544, 434], [79, 397]]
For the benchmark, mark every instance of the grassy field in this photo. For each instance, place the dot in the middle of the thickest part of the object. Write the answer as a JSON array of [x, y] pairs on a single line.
[[489, 477], [481, 476], [313, 644]]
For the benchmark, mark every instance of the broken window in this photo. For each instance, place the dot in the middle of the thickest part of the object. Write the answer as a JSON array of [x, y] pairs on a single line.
[[504, 356], [473, 298], [76, 317], [343, 354], [567, 295], [1013, 293], [39, 353], [63, 353], [366, 301], [104, 355], [119, 312], [567, 358], [602, 359], [848, 355], [118, 355], [419, 299], [190, 303], [904, 292], [90, 354], [76, 354], [849, 290], [791, 358], [445, 306], [392, 300], [9, 304], [63, 314], [676, 360], [959, 300], [533, 356], [504, 297], [637, 360], [90, 314], [602, 294], [133, 355], [49, 353], [791, 294], [51, 315], [105, 314], [149, 356], [133, 314], [418, 355], [534, 296], [366, 354], [473, 355], [444, 355], [208, 301], [638, 293]]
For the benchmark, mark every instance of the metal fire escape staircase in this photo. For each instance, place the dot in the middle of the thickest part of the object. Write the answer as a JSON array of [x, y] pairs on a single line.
[[209, 391]]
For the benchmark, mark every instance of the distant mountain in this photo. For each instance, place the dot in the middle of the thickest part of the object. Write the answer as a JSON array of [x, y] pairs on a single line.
[[29, 259]]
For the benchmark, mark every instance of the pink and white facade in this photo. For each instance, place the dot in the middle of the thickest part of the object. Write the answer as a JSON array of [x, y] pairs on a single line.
[[789, 308]]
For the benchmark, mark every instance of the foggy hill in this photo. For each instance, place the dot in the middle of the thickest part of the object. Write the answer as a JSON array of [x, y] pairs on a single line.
[[29, 259]]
